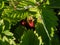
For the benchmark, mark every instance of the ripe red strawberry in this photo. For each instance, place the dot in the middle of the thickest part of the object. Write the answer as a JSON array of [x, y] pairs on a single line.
[[23, 22], [31, 23]]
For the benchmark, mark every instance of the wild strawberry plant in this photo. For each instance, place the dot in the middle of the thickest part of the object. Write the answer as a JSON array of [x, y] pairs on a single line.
[[28, 22]]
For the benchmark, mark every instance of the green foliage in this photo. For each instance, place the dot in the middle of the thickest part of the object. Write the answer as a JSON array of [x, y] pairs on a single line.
[[13, 11], [55, 3], [29, 38]]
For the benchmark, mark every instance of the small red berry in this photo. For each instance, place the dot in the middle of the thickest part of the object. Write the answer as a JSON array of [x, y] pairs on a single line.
[[23, 22], [31, 23]]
